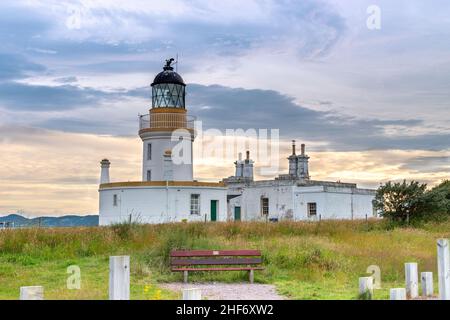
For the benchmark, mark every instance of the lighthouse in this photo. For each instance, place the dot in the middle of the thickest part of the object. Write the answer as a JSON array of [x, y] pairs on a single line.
[[167, 132], [168, 191]]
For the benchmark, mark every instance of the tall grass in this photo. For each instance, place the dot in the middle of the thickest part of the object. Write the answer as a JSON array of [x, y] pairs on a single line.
[[304, 260]]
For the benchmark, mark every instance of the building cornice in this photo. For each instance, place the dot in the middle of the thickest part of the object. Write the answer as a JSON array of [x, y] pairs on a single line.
[[131, 184]]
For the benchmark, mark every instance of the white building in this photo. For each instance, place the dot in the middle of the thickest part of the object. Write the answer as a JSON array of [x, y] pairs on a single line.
[[168, 192], [294, 196]]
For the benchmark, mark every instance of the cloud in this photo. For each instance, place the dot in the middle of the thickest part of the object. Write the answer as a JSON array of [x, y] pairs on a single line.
[[429, 164], [13, 67], [81, 31], [72, 108], [20, 96], [240, 108], [66, 80]]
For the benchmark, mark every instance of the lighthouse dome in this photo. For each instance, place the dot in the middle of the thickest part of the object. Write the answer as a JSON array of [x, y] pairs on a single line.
[[168, 75]]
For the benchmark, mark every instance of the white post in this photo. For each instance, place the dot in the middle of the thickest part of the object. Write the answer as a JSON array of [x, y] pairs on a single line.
[[443, 268], [398, 294], [119, 278], [427, 284], [412, 280], [366, 287], [192, 294], [32, 293]]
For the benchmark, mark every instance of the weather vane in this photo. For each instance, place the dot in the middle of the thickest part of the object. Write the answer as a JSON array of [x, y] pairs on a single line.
[[169, 62]]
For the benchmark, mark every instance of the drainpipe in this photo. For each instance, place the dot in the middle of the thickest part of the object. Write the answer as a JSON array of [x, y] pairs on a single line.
[[167, 199]]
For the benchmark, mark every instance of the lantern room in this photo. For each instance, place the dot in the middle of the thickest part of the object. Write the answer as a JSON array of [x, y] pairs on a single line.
[[168, 88]]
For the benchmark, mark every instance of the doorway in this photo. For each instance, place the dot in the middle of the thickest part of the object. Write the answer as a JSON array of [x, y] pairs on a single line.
[[214, 210], [237, 213]]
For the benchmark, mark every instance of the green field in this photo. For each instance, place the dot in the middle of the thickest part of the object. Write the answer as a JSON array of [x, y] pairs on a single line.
[[304, 260]]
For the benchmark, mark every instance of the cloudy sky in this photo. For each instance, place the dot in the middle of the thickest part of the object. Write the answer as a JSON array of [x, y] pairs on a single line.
[[372, 105]]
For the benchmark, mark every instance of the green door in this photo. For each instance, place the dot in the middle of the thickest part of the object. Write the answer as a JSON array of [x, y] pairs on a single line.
[[237, 213], [213, 210]]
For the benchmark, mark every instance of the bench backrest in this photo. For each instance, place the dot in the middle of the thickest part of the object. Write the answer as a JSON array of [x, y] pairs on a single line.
[[215, 257]]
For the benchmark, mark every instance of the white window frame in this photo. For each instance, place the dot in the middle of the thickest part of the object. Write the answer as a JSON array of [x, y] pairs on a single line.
[[264, 209], [194, 202], [312, 212], [115, 200]]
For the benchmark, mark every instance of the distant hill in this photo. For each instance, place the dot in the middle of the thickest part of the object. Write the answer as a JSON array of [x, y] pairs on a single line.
[[64, 221]]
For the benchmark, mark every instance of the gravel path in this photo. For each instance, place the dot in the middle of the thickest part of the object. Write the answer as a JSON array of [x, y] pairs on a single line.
[[222, 291]]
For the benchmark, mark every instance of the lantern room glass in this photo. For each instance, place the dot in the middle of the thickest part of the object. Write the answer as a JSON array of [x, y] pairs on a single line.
[[168, 95]]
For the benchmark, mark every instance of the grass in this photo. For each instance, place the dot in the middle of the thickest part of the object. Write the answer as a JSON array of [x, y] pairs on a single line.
[[303, 260]]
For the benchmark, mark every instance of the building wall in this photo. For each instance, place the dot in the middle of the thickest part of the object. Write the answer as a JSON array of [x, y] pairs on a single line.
[[333, 203], [159, 204], [291, 203], [280, 203]]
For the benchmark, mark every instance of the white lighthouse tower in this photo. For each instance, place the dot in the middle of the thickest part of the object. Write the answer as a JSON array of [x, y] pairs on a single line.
[[167, 132]]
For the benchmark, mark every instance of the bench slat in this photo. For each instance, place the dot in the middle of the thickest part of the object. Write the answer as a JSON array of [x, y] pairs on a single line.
[[219, 261], [212, 253], [217, 269]]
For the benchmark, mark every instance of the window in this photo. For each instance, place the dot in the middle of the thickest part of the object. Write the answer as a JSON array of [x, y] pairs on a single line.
[[264, 206], [115, 200], [168, 95], [312, 209], [149, 151], [195, 204], [149, 175]]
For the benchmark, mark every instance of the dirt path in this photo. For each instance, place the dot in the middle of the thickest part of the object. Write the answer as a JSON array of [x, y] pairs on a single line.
[[222, 291]]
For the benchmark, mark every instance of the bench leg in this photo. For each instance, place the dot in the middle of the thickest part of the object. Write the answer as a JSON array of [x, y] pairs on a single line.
[[251, 274], [185, 276]]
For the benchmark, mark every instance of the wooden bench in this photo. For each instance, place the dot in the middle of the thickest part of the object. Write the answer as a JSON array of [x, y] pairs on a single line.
[[215, 260]]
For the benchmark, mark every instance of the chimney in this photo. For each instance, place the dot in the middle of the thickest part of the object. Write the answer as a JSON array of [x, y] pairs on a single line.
[[239, 166], [104, 176], [303, 165], [248, 167], [293, 162]]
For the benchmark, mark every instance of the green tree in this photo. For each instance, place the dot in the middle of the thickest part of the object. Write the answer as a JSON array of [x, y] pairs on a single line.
[[438, 198], [401, 201]]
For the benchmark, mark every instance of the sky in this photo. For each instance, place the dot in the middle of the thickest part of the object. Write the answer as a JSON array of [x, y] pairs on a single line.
[[371, 103]]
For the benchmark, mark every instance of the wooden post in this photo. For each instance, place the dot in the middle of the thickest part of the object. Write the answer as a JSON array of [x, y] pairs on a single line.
[[443, 268], [32, 293], [119, 278], [192, 294], [398, 294], [412, 280], [185, 276], [251, 275], [366, 288], [426, 279]]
